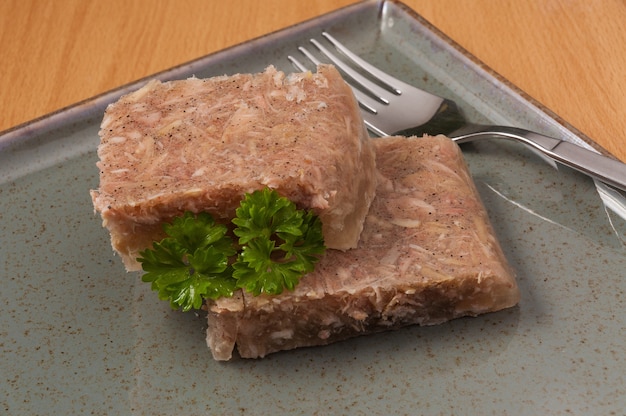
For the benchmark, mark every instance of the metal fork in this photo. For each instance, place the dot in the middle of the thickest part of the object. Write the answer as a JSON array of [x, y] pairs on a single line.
[[392, 107]]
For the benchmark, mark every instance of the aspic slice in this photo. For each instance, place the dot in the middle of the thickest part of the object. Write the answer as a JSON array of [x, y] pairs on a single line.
[[427, 254], [201, 144]]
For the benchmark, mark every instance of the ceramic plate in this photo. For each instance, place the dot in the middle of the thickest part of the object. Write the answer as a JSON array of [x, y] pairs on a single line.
[[79, 335]]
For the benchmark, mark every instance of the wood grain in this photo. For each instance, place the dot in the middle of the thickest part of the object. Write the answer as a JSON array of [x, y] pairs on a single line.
[[567, 54]]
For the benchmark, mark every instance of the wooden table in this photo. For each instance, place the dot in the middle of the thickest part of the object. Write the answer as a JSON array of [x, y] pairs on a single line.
[[570, 55]]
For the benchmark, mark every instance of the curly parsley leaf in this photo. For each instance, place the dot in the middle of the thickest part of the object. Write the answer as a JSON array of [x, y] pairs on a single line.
[[279, 243], [191, 263]]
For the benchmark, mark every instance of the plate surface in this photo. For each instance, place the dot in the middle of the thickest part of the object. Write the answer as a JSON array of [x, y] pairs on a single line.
[[79, 335]]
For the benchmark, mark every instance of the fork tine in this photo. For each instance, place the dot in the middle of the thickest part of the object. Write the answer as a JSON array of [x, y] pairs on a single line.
[[372, 88], [391, 82], [297, 63], [309, 55]]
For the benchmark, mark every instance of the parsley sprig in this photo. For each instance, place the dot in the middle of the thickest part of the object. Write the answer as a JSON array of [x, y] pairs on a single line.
[[191, 263], [277, 244]]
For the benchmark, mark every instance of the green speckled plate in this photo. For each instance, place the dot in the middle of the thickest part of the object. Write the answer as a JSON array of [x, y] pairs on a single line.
[[78, 335]]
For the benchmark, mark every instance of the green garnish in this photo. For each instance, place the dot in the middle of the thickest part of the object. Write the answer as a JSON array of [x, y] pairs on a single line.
[[279, 243], [191, 263], [198, 259]]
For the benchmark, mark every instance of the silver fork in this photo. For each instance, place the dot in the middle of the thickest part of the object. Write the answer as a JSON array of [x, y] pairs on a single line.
[[392, 107]]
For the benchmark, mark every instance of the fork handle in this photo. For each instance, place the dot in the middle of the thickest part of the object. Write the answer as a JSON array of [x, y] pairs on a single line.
[[606, 169]]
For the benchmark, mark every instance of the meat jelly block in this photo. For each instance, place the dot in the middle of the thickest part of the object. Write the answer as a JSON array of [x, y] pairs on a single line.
[[201, 144], [427, 254]]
